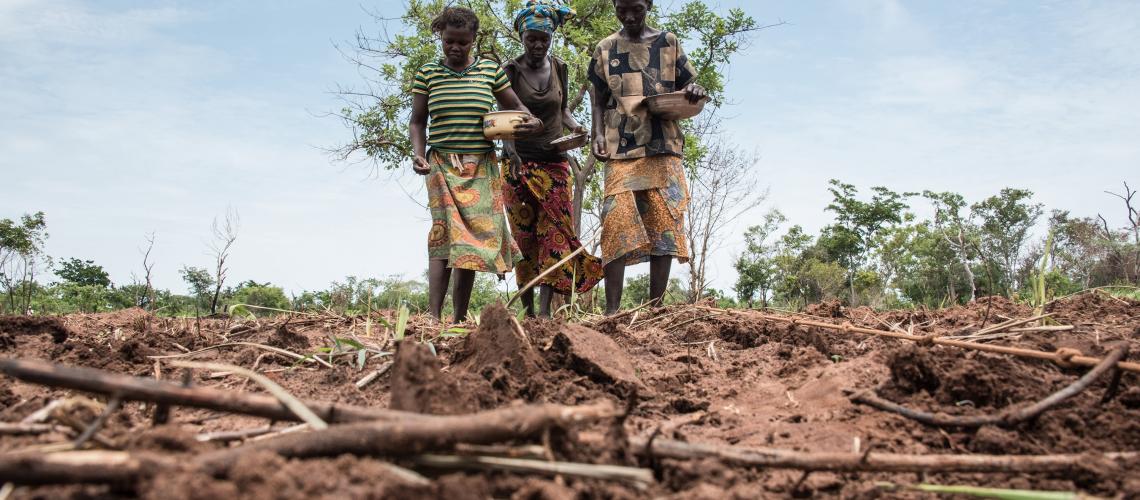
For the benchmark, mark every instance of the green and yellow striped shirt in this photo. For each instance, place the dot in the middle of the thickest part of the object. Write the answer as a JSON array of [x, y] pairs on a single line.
[[457, 103]]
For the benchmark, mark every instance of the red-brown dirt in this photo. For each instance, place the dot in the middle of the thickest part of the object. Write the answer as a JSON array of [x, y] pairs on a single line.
[[708, 377]]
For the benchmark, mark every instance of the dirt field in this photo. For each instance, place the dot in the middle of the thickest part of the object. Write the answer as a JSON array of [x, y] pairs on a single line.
[[693, 374]]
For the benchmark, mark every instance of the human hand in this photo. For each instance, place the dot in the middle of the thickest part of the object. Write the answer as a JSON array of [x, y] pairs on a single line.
[[530, 126], [600, 148], [695, 93], [514, 162], [577, 129], [420, 165]]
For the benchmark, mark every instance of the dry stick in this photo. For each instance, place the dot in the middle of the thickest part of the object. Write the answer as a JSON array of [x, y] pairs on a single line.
[[414, 436], [78, 467], [145, 389], [1008, 325], [1006, 418], [256, 364], [532, 451], [1055, 357], [290, 401], [282, 352], [875, 462], [227, 436], [1046, 328], [635, 475], [20, 429], [89, 432], [545, 273], [372, 377], [42, 414]]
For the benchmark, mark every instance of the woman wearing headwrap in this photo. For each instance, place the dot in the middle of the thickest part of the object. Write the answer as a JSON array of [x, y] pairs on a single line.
[[537, 191]]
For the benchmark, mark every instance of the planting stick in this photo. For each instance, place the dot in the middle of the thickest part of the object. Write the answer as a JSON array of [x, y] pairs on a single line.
[[144, 389], [545, 273], [1006, 418], [1059, 357]]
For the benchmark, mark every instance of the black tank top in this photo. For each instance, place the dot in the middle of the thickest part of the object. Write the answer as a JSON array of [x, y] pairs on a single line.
[[546, 104]]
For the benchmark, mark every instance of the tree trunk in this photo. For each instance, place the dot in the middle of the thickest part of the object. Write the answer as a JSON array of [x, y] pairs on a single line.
[[582, 175]]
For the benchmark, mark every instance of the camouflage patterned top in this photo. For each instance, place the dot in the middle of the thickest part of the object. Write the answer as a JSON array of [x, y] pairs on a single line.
[[623, 73]]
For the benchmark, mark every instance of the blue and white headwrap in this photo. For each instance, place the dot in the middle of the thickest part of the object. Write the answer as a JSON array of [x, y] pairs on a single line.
[[542, 15]]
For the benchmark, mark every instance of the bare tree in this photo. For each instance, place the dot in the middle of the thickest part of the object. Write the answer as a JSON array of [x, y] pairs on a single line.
[[148, 267], [722, 187], [1134, 222], [224, 236]]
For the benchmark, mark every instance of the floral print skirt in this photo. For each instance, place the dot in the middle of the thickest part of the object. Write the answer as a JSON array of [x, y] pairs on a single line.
[[538, 207], [469, 228]]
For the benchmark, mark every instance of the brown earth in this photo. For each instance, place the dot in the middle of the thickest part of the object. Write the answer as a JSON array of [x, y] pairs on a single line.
[[701, 375]]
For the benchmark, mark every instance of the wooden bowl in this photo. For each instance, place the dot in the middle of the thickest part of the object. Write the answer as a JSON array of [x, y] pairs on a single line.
[[674, 106], [568, 142], [501, 124]]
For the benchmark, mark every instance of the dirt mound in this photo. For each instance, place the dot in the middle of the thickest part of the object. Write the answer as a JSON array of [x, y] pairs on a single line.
[[827, 309], [497, 345], [13, 326], [420, 386], [285, 338]]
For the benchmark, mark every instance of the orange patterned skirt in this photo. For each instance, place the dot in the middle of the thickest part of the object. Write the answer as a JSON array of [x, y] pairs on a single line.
[[643, 212]]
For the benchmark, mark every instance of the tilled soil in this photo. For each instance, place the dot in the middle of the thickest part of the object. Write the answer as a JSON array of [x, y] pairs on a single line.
[[702, 375]]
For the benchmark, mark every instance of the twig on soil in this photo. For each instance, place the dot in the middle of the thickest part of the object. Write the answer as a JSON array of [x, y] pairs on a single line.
[[287, 430], [531, 451], [1061, 357], [994, 331], [89, 432], [672, 327], [256, 365], [227, 436], [711, 351], [42, 414], [375, 375], [282, 352], [413, 436], [147, 389], [635, 475], [876, 462], [19, 429], [295, 405], [1006, 418]]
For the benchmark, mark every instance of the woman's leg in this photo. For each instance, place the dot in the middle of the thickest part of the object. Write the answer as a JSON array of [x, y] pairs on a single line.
[[545, 295], [615, 279], [439, 276], [659, 266], [461, 296], [527, 298]]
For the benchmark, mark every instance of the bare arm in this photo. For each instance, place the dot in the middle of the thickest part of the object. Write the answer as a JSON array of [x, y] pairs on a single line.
[[569, 122], [509, 100], [418, 130], [600, 148]]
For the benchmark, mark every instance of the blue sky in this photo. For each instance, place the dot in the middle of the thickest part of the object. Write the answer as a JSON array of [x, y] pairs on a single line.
[[121, 118]]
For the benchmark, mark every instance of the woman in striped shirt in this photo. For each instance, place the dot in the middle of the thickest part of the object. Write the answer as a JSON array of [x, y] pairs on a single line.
[[465, 191]]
